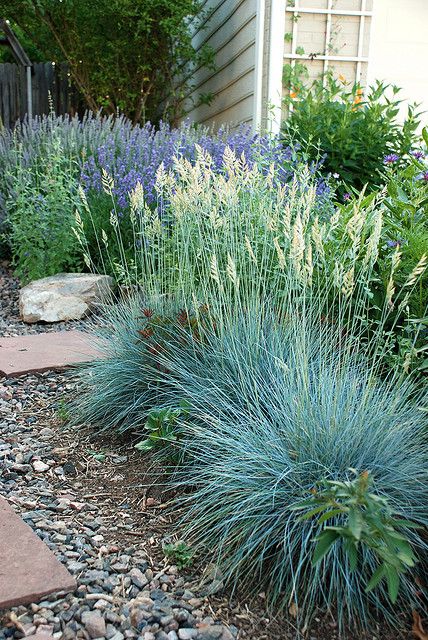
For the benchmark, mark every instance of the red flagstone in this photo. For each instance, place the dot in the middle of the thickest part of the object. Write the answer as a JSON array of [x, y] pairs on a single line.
[[44, 352], [29, 570]]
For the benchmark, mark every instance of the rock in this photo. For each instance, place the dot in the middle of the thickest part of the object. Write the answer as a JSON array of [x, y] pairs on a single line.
[[211, 632], [40, 466], [74, 566], [187, 634], [94, 624], [65, 296], [138, 578], [5, 394]]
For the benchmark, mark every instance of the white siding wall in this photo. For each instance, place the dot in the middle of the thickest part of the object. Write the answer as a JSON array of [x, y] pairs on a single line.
[[231, 31], [399, 47]]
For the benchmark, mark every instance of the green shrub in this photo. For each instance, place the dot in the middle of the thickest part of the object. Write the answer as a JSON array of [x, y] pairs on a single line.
[[352, 134], [122, 55], [405, 242], [406, 219], [40, 215], [368, 521]]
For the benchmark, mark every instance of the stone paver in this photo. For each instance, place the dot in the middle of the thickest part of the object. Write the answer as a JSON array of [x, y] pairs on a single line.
[[44, 352], [28, 569]]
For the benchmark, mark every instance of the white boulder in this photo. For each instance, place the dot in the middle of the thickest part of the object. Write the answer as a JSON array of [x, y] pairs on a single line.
[[65, 296]]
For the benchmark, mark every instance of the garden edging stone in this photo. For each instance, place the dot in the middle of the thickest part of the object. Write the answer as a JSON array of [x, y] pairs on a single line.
[[44, 352], [28, 569]]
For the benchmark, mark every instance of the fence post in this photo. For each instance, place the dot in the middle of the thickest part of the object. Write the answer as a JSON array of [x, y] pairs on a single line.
[[29, 94]]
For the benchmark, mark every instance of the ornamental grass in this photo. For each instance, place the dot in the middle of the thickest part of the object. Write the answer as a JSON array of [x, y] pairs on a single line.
[[254, 308]]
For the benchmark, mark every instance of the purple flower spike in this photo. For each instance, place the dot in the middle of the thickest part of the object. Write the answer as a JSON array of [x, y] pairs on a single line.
[[346, 196], [423, 176]]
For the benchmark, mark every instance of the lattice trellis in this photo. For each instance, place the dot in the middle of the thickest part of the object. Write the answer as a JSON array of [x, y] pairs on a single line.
[[364, 12]]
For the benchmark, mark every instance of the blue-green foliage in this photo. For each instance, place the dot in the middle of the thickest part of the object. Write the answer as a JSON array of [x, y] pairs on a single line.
[[274, 407], [123, 389], [275, 410], [116, 393]]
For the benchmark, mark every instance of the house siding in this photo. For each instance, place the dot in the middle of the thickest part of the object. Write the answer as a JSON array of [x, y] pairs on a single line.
[[230, 29], [399, 48]]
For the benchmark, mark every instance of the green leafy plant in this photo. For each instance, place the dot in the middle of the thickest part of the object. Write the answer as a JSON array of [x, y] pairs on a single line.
[[40, 215], [179, 553], [62, 412], [99, 456], [351, 133], [405, 242], [366, 520], [161, 425]]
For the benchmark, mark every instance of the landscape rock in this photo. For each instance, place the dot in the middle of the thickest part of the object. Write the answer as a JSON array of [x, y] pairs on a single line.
[[65, 296], [40, 466], [94, 624]]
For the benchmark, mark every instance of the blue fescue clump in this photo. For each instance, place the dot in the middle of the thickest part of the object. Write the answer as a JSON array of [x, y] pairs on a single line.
[[277, 409]]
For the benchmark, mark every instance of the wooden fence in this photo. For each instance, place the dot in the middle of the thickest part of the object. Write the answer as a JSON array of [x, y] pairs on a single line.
[[48, 79]]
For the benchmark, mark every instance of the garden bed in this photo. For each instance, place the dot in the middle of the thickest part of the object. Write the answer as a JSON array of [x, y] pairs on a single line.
[[272, 357], [96, 505]]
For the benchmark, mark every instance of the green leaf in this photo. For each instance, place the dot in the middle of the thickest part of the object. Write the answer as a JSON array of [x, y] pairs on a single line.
[[144, 445], [302, 505], [393, 582], [425, 135], [376, 578], [407, 523], [355, 523], [313, 512], [329, 514], [352, 553], [324, 544]]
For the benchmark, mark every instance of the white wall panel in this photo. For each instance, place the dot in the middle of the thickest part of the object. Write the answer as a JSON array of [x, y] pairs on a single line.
[[231, 31]]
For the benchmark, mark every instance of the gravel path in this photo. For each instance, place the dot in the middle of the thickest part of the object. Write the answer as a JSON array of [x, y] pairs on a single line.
[[90, 506], [95, 504]]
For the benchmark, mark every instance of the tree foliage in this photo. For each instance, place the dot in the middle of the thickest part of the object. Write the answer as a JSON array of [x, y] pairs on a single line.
[[123, 55]]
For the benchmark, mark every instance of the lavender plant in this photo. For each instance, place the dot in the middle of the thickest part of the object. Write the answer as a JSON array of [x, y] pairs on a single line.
[[136, 159], [247, 225], [130, 155]]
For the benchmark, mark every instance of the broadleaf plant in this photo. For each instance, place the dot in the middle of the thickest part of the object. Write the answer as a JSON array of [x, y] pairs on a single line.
[[363, 518]]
